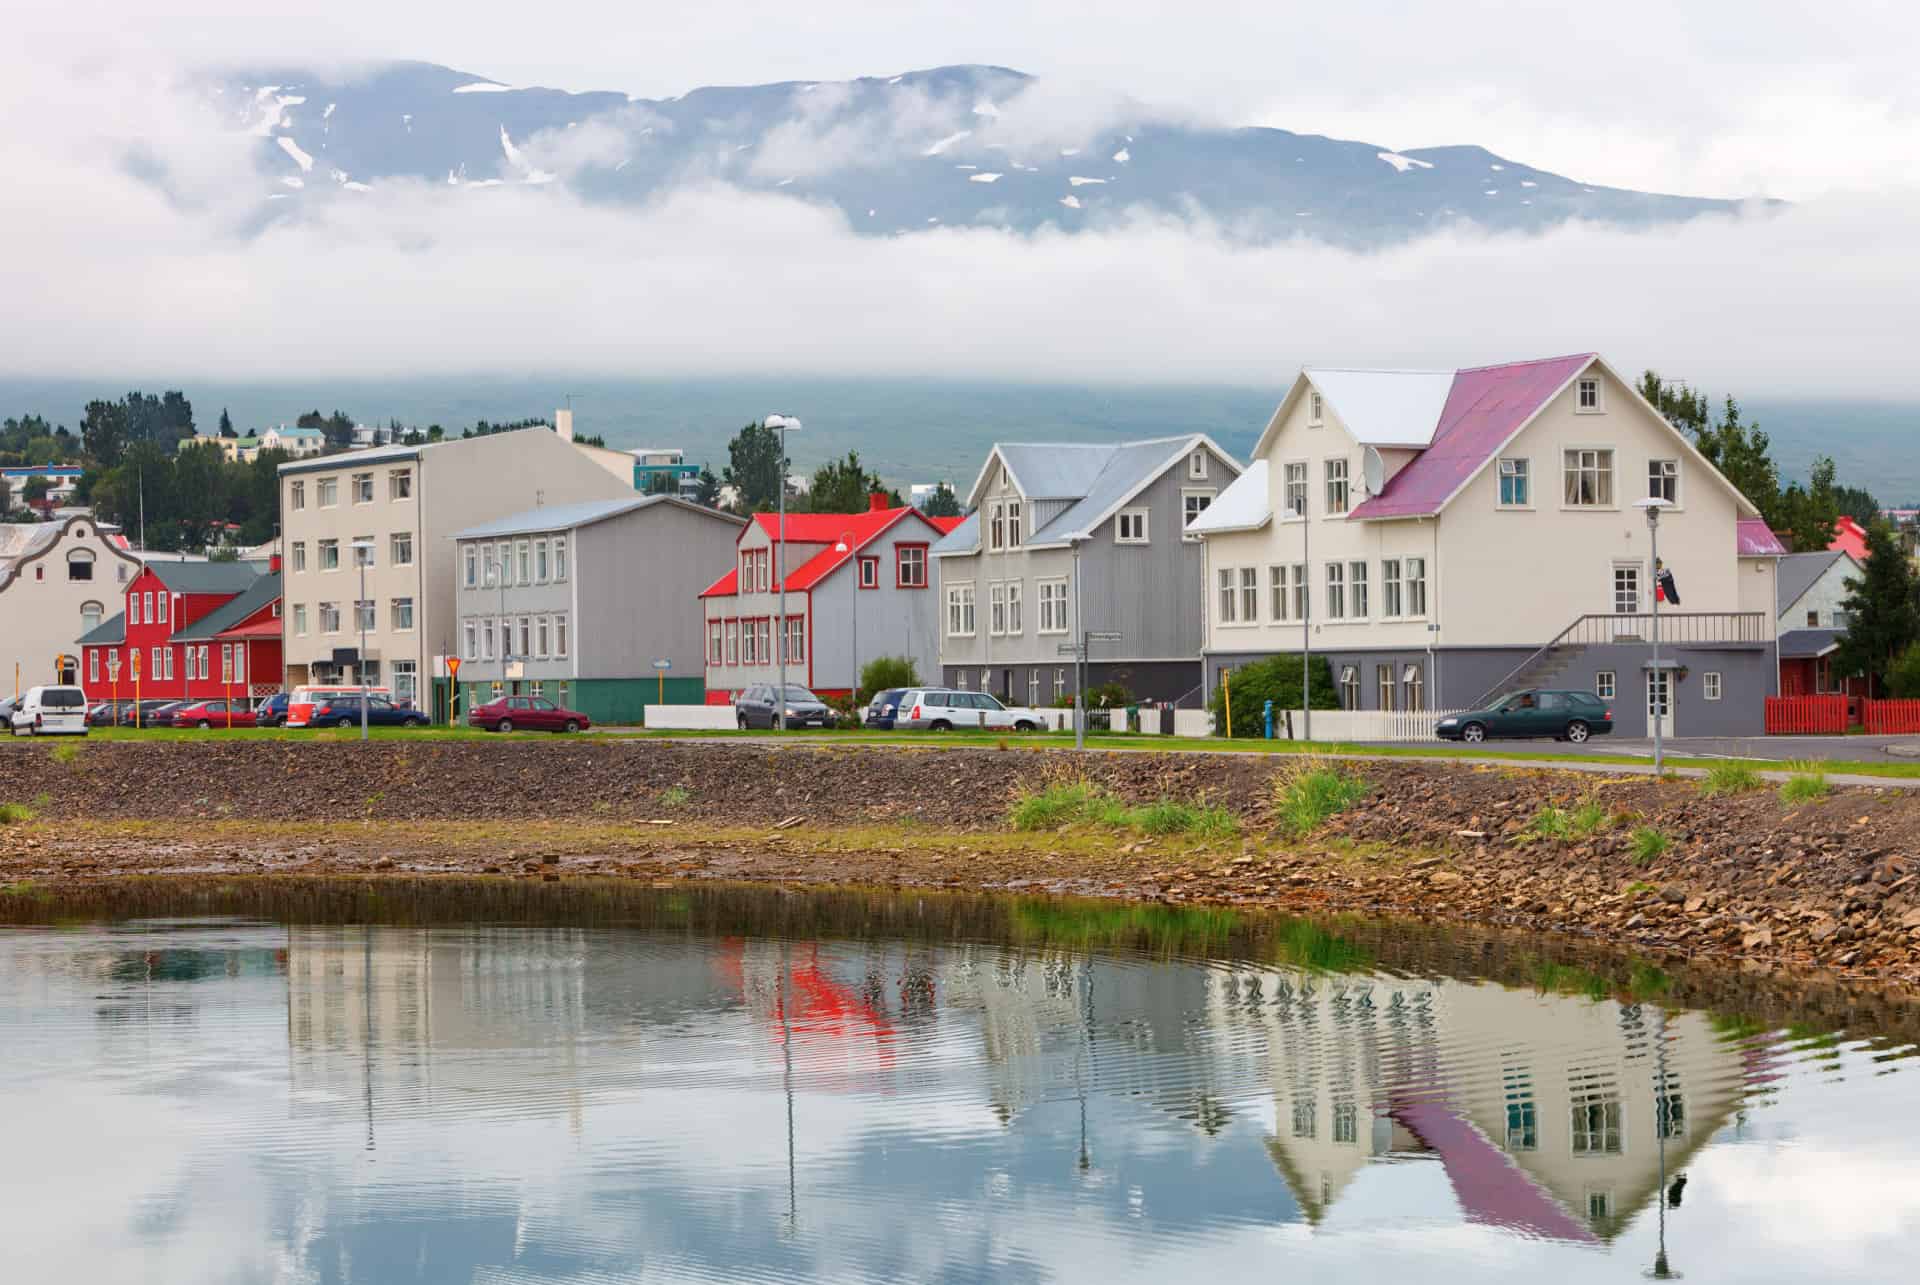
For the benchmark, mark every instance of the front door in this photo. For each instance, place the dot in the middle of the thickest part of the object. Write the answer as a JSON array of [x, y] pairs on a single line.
[[1660, 701]]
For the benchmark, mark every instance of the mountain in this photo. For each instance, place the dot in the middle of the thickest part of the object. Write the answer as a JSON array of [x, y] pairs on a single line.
[[965, 145]]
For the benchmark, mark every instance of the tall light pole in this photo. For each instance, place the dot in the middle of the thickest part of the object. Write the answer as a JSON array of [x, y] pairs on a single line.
[[783, 423], [846, 545], [1656, 680], [1079, 654], [362, 554], [497, 575], [1306, 617]]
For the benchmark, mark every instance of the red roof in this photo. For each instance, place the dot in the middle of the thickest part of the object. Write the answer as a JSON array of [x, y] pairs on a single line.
[[1484, 409], [265, 627], [827, 529], [1850, 538], [1756, 539]]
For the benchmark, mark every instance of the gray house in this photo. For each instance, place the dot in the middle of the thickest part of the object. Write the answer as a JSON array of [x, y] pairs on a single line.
[[1007, 590], [576, 602]]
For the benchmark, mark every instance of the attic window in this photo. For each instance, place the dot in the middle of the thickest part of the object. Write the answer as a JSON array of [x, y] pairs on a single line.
[[1587, 396], [1197, 465], [1315, 411]]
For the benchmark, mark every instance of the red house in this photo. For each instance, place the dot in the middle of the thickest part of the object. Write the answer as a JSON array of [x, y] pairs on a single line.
[[189, 629]]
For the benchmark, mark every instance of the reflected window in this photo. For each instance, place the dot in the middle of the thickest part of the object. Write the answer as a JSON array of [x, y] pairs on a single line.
[[1595, 1117], [1303, 1122], [1346, 1122]]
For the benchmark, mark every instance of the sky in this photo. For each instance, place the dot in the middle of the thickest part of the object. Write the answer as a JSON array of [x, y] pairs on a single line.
[[1816, 103]]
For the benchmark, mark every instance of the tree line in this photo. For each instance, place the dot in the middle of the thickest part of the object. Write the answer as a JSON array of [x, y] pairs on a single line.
[[755, 469]]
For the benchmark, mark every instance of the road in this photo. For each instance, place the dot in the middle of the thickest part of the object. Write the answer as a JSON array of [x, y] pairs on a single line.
[[1857, 749]]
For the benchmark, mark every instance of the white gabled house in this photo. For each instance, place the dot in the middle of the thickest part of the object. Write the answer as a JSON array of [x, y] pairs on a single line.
[[1441, 536]]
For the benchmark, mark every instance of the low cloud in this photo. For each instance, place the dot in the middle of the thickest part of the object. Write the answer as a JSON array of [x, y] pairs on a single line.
[[147, 246]]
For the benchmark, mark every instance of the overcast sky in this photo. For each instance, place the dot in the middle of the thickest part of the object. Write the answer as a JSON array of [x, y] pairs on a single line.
[[1815, 102]]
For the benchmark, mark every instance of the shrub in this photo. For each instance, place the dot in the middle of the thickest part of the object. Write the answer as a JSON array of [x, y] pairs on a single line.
[[1101, 696], [15, 813], [883, 672], [1805, 785], [1311, 794], [674, 796], [1276, 679], [1730, 777], [1903, 675], [1649, 843], [67, 752], [1551, 823]]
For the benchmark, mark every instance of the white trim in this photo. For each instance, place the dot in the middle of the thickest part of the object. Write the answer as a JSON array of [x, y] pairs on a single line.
[[1679, 504], [1212, 493], [1599, 406], [1613, 471], [1188, 444], [1146, 531], [1533, 490]]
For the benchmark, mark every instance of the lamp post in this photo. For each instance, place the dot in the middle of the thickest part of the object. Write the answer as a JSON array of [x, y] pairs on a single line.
[[497, 576], [1656, 680], [846, 545], [1306, 617], [783, 423], [1079, 655], [362, 554]]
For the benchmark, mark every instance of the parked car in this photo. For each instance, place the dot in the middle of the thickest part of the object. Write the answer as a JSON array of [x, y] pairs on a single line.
[[272, 712], [940, 709], [305, 700], [756, 707], [161, 715], [7, 707], [54, 710], [215, 713], [344, 711], [1562, 715], [144, 709], [526, 714], [882, 708], [106, 713]]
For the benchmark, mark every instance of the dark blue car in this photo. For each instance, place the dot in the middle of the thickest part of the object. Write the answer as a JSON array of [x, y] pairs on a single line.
[[271, 712], [885, 705], [344, 711]]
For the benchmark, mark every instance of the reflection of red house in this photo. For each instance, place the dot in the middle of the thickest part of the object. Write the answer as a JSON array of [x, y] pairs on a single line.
[[827, 1017], [199, 629]]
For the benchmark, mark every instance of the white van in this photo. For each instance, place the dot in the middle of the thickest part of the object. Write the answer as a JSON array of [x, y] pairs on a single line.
[[51, 711]]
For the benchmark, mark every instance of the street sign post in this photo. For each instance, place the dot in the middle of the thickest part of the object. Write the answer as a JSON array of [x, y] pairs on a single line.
[[133, 654], [660, 668], [453, 689]]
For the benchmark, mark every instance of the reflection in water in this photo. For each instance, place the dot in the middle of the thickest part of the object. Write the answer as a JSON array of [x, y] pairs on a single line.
[[199, 1098]]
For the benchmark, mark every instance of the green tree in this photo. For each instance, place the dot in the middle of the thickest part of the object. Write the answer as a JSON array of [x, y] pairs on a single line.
[[708, 492], [943, 503], [1806, 515], [1903, 676], [36, 489], [226, 424], [882, 672], [755, 467], [1276, 679], [1857, 503], [1882, 618], [1738, 449], [103, 432], [842, 486], [6, 497]]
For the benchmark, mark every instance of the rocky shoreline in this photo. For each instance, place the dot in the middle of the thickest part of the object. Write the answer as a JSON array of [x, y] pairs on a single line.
[[1829, 884]]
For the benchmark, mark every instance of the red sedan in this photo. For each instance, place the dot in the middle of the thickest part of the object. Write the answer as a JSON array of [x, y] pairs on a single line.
[[215, 713], [528, 713]]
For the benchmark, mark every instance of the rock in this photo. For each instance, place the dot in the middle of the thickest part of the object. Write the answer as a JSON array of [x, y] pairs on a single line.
[[1445, 878]]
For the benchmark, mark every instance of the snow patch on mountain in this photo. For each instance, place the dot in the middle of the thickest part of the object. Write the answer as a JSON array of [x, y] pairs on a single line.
[[291, 148], [1399, 162]]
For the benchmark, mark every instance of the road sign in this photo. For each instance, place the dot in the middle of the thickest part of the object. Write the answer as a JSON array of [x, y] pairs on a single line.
[[663, 664], [135, 658], [1103, 637], [1068, 649], [113, 668], [453, 667]]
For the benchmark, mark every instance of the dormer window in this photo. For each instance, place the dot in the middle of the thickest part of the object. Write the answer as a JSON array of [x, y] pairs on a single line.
[[1316, 411], [1197, 465], [1586, 396]]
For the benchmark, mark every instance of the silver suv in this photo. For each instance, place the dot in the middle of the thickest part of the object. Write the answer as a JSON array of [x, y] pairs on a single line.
[[941, 709]]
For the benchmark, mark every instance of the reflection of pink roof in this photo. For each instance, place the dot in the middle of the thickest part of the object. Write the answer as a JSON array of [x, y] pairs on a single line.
[[1490, 1187], [1757, 539], [1485, 408]]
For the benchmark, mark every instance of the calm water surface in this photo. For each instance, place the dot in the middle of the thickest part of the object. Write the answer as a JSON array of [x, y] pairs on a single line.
[[688, 1090]]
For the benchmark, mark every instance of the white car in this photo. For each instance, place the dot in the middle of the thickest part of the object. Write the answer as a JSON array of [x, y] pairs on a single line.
[[941, 709], [51, 711]]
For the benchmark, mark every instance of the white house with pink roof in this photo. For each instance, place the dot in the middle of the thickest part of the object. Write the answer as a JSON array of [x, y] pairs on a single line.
[[1445, 535]]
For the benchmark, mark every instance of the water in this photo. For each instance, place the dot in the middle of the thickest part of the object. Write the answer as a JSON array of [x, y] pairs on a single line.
[[506, 1082]]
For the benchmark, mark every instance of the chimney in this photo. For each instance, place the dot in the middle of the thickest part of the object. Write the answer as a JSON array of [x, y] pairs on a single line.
[[273, 563], [563, 424], [877, 502]]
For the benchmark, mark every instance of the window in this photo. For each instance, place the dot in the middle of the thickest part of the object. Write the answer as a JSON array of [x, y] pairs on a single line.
[[526, 636], [1197, 466], [524, 550], [1229, 600], [1249, 595], [327, 492], [733, 642], [1192, 505], [1523, 1125], [1515, 488], [1033, 687], [506, 638], [90, 614], [963, 680], [1416, 586], [160, 599], [1595, 1117], [560, 636], [239, 664], [716, 643], [1663, 480], [1336, 471], [1626, 590], [869, 573], [1349, 687], [559, 558], [93, 665], [502, 564], [796, 640], [363, 488], [1604, 684], [1346, 1122], [996, 609], [1316, 409], [1669, 1114], [469, 565], [406, 681], [1336, 591], [910, 567], [363, 551], [763, 640], [300, 619], [401, 552], [1003, 525], [329, 555], [1710, 685], [1383, 682], [1413, 688], [299, 555], [486, 638], [400, 484], [402, 610], [1392, 600], [1296, 489], [1589, 478], [540, 565], [363, 615], [469, 639], [960, 611], [1357, 590], [1059, 683], [542, 636], [1281, 607], [1304, 1124], [80, 565], [1131, 528], [166, 660], [329, 617], [1587, 396], [1015, 625], [1053, 606], [297, 495]]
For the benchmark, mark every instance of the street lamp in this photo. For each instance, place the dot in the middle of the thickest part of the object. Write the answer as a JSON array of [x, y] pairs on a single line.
[[783, 423], [1306, 617], [497, 576], [1656, 680], [1080, 654], [846, 545], [362, 554]]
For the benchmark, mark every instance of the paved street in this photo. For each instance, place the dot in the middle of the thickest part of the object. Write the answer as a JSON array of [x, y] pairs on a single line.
[[1858, 749]]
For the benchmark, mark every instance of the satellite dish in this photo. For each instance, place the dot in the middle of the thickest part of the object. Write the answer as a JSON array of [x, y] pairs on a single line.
[[1373, 471]]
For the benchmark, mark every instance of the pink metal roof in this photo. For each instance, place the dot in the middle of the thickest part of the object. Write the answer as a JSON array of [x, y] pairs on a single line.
[[1850, 538], [1757, 539], [1486, 407]]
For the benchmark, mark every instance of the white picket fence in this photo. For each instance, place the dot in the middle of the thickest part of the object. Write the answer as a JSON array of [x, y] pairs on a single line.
[[1366, 724]]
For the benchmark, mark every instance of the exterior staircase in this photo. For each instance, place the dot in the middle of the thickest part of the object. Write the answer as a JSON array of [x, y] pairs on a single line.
[[1677, 629]]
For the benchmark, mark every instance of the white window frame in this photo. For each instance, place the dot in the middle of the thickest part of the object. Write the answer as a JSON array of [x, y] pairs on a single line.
[[1280, 592], [1053, 606], [395, 615], [560, 641], [1016, 623], [1059, 683], [1136, 518], [1606, 684], [1392, 589], [559, 559], [397, 543], [542, 568], [1522, 472], [1197, 464], [470, 565], [1336, 599], [1579, 467], [1671, 479], [542, 636], [960, 615], [1288, 485], [329, 609], [523, 560], [1710, 685], [1359, 603], [300, 619], [1227, 597], [326, 492], [486, 637], [1249, 595], [400, 484], [1338, 478], [296, 495], [996, 609], [1415, 586], [1188, 494], [1413, 689], [299, 556], [362, 484], [326, 547], [1581, 387], [469, 639], [1316, 408]]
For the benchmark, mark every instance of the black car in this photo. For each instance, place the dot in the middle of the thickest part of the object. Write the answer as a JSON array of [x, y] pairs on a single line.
[[145, 710], [1563, 715], [161, 715], [106, 713], [883, 707], [344, 711], [756, 707]]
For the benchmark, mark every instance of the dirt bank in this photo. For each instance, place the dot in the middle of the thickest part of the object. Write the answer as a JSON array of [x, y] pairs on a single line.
[[1834, 882]]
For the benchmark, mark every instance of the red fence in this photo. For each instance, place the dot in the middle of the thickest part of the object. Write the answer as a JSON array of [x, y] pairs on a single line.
[[1884, 717], [1813, 714]]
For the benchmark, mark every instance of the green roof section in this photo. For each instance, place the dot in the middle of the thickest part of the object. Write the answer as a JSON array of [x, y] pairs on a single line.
[[206, 577], [259, 594], [108, 633]]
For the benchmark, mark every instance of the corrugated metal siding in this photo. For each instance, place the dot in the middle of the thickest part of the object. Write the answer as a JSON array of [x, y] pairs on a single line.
[[640, 577]]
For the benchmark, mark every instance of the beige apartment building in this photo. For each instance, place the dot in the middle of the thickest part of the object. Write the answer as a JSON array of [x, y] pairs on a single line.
[[396, 509]]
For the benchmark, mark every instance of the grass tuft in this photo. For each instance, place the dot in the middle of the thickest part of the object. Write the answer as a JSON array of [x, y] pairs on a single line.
[[1311, 795], [1649, 843], [1806, 784], [1083, 803], [1551, 823], [675, 796], [1729, 776], [15, 814], [66, 752]]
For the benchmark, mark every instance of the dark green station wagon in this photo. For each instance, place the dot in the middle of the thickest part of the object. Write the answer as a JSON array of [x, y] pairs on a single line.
[[1565, 716]]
